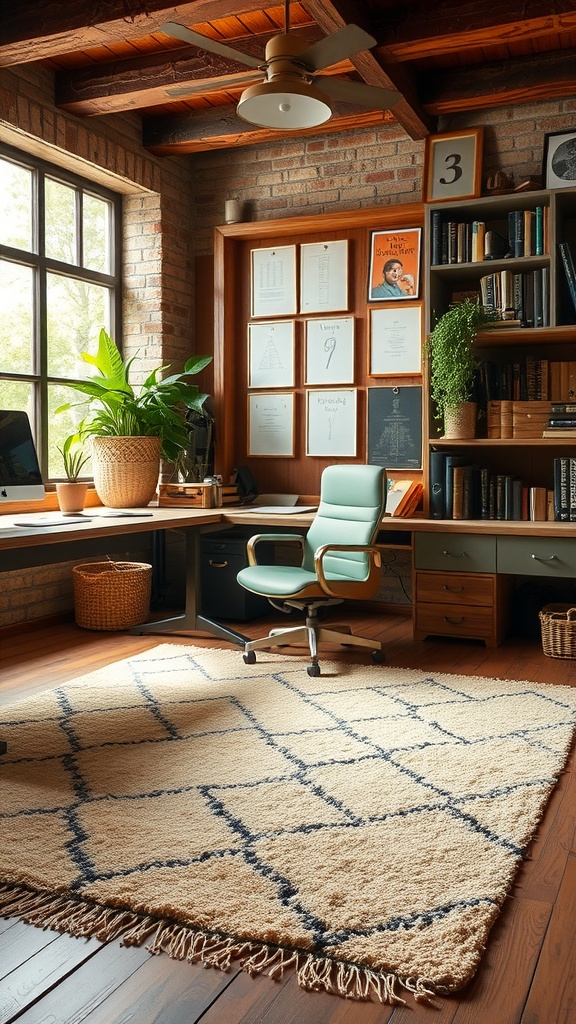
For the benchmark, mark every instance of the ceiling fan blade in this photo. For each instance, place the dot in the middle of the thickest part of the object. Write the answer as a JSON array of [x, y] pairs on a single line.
[[357, 92], [339, 46], [187, 35]]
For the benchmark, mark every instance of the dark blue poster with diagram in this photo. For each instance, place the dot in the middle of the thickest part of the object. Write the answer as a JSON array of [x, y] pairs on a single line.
[[395, 427]]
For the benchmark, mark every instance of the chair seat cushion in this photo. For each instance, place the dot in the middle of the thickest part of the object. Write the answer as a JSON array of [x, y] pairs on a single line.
[[281, 581]]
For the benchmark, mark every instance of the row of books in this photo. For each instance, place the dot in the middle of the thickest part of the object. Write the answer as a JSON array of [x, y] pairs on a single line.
[[517, 419], [474, 241], [461, 489], [526, 379], [522, 299]]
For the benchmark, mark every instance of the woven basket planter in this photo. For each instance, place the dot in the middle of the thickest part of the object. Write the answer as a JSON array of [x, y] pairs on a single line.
[[111, 595], [558, 624], [126, 470]]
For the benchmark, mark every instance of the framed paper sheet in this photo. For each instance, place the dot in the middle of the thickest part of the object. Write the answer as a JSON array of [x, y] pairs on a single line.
[[331, 422], [323, 276], [395, 340], [330, 351], [395, 427], [394, 265], [271, 354], [273, 281], [271, 424]]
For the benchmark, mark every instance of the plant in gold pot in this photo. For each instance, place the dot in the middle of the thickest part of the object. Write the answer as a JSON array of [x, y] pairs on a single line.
[[71, 493], [132, 428], [452, 365]]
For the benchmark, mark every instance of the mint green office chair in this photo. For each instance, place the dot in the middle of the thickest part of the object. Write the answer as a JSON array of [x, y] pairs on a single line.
[[339, 562]]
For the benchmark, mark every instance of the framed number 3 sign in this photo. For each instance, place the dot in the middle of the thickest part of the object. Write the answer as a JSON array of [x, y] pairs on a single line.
[[453, 165]]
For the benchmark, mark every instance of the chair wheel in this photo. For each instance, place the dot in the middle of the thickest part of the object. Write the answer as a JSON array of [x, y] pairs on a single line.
[[250, 657], [378, 657], [313, 670]]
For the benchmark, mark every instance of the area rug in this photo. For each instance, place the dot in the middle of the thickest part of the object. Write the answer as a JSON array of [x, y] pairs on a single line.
[[363, 827]]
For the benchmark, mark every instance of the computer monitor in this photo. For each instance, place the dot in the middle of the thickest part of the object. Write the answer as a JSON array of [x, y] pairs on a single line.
[[20, 476]]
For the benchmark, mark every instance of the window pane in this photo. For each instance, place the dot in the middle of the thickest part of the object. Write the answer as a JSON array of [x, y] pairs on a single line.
[[16, 321], [60, 426], [19, 395], [15, 206], [76, 312], [60, 222], [96, 227]]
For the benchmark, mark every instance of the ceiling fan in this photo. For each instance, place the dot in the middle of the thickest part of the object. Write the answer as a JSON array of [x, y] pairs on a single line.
[[292, 96]]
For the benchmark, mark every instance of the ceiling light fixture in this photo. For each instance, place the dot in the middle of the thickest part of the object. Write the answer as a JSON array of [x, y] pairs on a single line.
[[287, 98]]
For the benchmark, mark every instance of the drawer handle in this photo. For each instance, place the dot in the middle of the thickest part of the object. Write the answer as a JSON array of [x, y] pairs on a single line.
[[217, 565], [454, 622], [451, 555], [453, 590], [551, 558]]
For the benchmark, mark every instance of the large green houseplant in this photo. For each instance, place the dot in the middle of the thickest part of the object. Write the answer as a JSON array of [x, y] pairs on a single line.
[[137, 425], [452, 365]]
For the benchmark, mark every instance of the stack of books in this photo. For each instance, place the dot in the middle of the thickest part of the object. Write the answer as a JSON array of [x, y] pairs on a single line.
[[562, 421]]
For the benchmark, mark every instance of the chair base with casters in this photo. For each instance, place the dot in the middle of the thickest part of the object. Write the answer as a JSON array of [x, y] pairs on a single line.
[[339, 562], [312, 632]]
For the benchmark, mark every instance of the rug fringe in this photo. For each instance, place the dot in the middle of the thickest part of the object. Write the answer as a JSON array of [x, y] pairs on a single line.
[[314, 972]]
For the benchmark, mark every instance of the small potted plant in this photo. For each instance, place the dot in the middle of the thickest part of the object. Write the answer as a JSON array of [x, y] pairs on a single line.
[[132, 428], [71, 493], [453, 364]]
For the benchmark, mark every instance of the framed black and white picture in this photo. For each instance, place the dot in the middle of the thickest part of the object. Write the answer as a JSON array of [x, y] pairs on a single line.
[[271, 354], [331, 422], [330, 350], [453, 165], [559, 160]]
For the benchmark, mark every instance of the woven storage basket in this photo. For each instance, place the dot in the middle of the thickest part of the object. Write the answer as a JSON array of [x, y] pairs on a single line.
[[558, 622], [111, 595], [126, 470]]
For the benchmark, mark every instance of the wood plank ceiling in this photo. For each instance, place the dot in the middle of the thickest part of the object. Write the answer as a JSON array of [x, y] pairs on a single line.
[[452, 56]]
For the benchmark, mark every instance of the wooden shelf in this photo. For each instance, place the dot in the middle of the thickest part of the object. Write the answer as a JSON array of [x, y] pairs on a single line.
[[503, 442]]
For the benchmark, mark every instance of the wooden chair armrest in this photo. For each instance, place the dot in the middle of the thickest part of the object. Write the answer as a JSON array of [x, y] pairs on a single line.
[[284, 537], [349, 588]]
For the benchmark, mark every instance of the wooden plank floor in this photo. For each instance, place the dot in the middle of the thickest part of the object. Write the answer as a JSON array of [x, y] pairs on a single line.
[[527, 975]]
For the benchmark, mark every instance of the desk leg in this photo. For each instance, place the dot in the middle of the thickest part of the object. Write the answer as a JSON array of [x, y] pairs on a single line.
[[191, 620]]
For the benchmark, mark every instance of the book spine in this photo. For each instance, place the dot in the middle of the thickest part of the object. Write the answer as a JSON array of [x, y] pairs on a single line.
[[437, 471], [436, 226], [539, 231], [561, 477], [572, 490], [568, 265], [518, 249]]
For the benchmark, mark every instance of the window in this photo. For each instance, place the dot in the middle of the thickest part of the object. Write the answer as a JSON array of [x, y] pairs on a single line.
[[60, 284]]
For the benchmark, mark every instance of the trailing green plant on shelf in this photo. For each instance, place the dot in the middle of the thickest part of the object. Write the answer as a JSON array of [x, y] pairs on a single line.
[[74, 455], [156, 408], [450, 349]]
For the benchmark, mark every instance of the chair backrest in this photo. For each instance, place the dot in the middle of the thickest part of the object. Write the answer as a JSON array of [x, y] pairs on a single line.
[[352, 503]]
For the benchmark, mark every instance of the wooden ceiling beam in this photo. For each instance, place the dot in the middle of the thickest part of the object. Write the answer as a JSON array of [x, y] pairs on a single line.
[[525, 80], [39, 29], [427, 30], [332, 15], [221, 128]]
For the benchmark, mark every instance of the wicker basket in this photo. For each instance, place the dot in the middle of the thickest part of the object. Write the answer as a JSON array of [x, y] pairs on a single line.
[[111, 595], [558, 622]]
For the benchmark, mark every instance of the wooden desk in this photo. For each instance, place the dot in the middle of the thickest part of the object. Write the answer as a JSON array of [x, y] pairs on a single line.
[[23, 547]]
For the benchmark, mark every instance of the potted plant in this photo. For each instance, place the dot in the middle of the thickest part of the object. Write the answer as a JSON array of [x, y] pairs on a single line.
[[71, 493], [132, 428], [453, 364]]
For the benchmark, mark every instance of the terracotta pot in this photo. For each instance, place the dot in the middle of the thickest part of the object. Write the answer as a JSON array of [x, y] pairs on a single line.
[[71, 496], [460, 421], [126, 470]]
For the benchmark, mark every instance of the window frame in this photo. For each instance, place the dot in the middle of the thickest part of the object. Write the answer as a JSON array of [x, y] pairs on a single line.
[[41, 265]]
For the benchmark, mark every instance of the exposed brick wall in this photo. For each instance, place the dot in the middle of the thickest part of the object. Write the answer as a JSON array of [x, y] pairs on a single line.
[[172, 205]]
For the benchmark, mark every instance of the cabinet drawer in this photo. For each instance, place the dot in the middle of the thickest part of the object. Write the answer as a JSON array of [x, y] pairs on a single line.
[[446, 620], [537, 556], [456, 552], [446, 588]]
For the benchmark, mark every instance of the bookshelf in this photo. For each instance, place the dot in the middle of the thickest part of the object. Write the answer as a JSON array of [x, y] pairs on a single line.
[[546, 337]]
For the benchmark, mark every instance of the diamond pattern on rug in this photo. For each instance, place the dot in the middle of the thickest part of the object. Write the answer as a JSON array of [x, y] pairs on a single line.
[[370, 818]]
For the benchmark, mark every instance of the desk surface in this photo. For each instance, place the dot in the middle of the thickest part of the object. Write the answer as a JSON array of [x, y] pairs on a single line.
[[99, 523]]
